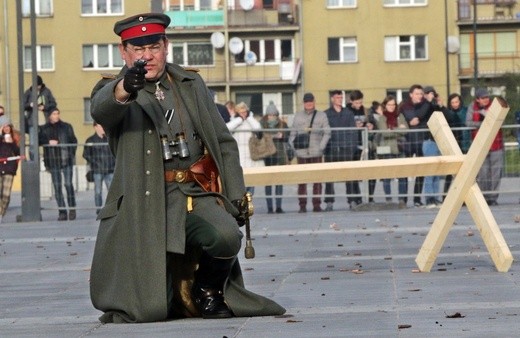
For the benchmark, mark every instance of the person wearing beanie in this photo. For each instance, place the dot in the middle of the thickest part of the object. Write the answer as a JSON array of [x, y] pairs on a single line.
[[490, 174], [272, 120], [169, 232]]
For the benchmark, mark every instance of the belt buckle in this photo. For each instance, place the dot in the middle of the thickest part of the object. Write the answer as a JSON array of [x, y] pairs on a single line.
[[180, 176]]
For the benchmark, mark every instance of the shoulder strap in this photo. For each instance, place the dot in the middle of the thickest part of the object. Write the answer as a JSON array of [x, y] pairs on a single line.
[[312, 120]]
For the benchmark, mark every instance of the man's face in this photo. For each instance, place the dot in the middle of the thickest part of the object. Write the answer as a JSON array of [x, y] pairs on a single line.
[[308, 105], [356, 104], [154, 54], [337, 99], [417, 95], [54, 116]]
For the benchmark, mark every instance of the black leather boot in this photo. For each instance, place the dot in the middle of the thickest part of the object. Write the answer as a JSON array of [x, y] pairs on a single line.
[[207, 291]]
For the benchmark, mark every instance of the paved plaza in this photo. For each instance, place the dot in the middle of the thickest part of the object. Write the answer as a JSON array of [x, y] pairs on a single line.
[[339, 274]]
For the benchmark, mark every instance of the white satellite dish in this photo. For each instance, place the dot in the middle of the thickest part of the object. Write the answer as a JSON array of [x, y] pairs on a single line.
[[247, 5], [217, 40], [236, 46], [453, 44], [250, 58]]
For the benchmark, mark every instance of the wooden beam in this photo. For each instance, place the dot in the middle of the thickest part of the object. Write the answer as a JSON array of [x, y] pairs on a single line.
[[460, 189], [353, 170]]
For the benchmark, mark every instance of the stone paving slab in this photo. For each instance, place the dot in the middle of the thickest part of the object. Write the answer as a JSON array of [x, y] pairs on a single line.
[[339, 274]]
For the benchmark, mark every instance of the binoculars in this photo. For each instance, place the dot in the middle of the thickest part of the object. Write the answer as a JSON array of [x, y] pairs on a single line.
[[179, 144]]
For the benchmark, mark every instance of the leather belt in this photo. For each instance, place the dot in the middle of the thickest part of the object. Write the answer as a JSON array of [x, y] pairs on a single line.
[[179, 176]]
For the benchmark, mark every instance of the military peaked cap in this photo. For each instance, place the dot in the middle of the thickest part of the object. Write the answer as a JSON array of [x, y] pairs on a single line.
[[142, 29]]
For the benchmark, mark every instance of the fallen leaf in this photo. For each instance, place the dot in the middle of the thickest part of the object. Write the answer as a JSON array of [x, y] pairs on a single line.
[[455, 315], [294, 321], [404, 326]]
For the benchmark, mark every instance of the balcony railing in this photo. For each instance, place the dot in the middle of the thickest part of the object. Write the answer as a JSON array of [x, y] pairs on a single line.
[[279, 72], [489, 64], [488, 10], [281, 16]]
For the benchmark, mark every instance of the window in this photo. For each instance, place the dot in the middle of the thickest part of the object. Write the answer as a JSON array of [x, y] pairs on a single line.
[[405, 48], [405, 2], [100, 7], [258, 101], [490, 46], [399, 94], [192, 54], [267, 51], [41, 7], [44, 58], [87, 118], [101, 56], [342, 49], [190, 5], [341, 3]]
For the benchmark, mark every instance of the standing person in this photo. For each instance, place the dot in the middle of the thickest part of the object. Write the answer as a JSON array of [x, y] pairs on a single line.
[[272, 120], [488, 178], [416, 111], [241, 125], [45, 99], [101, 161], [429, 146], [59, 155], [387, 144], [9, 147], [342, 145], [463, 137], [319, 135], [176, 198], [360, 116]]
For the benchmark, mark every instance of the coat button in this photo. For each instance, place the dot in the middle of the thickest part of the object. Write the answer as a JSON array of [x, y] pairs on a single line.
[[147, 193], [148, 172], [148, 152], [150, 131]]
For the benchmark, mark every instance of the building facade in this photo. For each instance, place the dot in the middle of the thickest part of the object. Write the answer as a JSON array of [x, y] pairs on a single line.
[[259, 51]]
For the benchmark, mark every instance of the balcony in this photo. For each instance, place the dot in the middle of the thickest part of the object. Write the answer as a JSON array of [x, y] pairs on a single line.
[[488, 11], [285, 15], [489, 64], [280, 73]]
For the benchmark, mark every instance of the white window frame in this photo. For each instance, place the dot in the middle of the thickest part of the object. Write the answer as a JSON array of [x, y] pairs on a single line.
[[189, 5], [261, 58], [341, 4], [27, 66], [111, 57], [39, 5], [346, 42], [108, 4], [393, 46], [185, 59], [404, 3]]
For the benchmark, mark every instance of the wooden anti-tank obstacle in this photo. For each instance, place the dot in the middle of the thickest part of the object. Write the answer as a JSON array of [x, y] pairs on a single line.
[[451, 162]]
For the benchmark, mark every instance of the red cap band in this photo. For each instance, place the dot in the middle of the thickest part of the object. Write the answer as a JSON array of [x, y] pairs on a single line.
[[142, 30]]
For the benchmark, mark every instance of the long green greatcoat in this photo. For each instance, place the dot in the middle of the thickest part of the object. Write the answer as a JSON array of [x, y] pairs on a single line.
[[128, 275]]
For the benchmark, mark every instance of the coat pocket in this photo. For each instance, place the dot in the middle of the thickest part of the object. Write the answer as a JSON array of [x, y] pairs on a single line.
[[110, 209]]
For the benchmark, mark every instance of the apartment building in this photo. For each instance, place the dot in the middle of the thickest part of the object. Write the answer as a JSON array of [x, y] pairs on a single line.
[[259, 51]]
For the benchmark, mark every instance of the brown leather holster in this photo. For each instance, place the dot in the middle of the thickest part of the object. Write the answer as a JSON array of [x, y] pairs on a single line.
[[205, 173]]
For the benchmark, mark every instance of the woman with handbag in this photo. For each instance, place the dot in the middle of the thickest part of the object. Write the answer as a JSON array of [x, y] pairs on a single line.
[[241, 126], [272, 120], [392, 123]]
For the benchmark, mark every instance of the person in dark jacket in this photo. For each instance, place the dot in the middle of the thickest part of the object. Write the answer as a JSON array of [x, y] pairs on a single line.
[[416, 111], [342, 146], [9, 152], [45, 99], [169, 231], [101, 161], [59, 154]]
